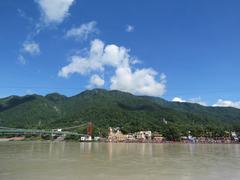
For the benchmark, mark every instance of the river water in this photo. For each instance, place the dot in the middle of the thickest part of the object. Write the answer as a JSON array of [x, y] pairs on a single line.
[[106, 161]]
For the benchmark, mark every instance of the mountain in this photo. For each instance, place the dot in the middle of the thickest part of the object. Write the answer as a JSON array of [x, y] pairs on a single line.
[[116, 109], [223, 114]]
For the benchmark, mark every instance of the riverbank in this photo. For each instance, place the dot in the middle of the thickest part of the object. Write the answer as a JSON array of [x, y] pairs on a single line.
[[126, 142]]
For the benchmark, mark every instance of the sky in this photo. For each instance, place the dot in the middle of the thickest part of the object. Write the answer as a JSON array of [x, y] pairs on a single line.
[[185, 51]]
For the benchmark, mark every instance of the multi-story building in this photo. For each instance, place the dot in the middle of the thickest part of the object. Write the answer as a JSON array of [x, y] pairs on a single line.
[[115, 135]]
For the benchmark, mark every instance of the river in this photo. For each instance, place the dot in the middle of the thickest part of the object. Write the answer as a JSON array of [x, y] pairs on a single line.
[[106, 161]]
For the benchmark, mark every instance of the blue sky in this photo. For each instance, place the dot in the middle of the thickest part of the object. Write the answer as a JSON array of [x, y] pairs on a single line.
[[181, 50]]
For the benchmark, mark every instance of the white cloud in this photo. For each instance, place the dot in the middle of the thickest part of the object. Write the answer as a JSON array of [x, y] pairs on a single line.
[[178, 99], [79, 65], [197, 100], [31, 47], [54, 11], [96, 81], [227, 103], [99, 56], [84, 65], [83, 32], [129, 28], [140, 81]]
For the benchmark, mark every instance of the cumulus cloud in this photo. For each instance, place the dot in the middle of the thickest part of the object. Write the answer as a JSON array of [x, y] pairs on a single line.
[[99, 56], [95, 81], [83, 31], [31, 47], [140, 82], [143, 81], [83, 65], [197, 100], [227, 103], [54, 11], [79, 65], [129, 28]]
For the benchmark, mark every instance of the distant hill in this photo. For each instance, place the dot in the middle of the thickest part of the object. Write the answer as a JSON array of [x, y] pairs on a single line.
[[114, 108], [223, 114]]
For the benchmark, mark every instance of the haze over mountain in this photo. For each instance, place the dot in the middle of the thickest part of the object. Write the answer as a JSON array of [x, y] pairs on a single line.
[[113, 108]]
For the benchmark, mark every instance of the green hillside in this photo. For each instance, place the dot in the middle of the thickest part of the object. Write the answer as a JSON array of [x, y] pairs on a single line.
[[223, 114], [117, 109]]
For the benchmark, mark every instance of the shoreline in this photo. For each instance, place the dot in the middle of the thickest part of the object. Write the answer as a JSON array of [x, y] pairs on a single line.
[[22, 139]]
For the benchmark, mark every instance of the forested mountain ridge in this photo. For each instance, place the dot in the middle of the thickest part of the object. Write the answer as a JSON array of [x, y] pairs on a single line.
[[114, 108]]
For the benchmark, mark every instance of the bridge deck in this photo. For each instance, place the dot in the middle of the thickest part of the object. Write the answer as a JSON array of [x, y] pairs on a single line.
[[36, 131]]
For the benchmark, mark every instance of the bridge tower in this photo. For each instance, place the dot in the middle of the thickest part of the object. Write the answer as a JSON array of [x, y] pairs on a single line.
[[90, 128]]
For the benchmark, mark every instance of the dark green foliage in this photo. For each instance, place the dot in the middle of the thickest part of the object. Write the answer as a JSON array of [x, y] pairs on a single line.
[[116, 109], [171, 133]]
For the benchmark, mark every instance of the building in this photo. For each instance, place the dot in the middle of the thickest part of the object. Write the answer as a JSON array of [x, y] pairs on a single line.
[[234, 136], [130, 137], [115, 135], [57, 130], [86, 138], [157, 137], [143, 135]]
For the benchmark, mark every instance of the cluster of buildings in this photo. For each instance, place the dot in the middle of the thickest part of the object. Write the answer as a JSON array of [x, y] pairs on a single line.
[[115, 135]]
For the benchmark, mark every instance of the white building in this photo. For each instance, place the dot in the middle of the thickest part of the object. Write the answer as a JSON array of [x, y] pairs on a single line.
[[143, 135], [57, 130], [86, 138], [130, 137]]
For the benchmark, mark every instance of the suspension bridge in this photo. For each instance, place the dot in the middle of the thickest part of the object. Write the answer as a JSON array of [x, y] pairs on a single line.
[[52, 132]]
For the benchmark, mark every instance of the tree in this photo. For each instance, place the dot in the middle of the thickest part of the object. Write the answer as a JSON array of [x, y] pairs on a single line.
[[171, 133]]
